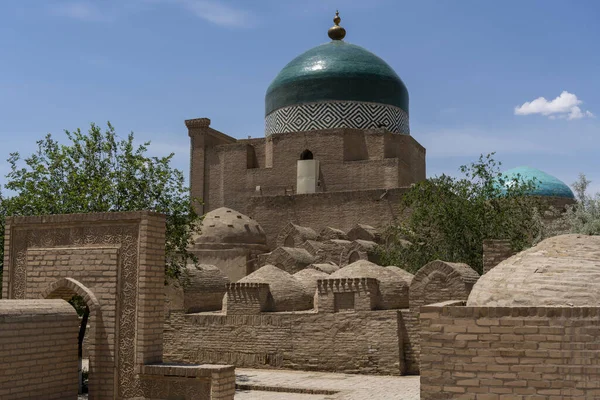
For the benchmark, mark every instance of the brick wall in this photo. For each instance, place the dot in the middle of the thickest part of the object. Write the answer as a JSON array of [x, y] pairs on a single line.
[[352, 342], [228, 180], [340, 209], [38, 349], [410, 341], [494, 252], [435, 282], [351, 160], [509, 352]]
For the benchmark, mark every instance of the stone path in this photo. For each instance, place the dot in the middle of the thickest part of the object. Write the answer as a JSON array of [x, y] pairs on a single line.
[[323, 386]]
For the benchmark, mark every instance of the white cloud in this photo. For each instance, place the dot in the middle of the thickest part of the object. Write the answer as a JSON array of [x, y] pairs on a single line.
[[564, 106], [218, 13], [81, 10]]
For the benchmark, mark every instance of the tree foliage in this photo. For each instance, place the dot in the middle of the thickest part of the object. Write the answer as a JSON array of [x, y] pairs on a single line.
[[448, 218], [583, 217], [99, 172]]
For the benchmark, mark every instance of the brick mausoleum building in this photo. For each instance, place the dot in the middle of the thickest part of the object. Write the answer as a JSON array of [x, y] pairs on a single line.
[[337, 148]]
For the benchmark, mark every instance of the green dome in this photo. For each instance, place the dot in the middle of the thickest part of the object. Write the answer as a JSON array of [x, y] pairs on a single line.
[[336, 71], [546, 185]]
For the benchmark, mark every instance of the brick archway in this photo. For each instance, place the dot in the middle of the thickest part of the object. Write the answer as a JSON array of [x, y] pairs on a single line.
[[65, 289], [113, 261]]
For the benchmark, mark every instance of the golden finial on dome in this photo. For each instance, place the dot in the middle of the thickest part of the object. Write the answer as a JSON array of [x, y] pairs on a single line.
[[336, 32]]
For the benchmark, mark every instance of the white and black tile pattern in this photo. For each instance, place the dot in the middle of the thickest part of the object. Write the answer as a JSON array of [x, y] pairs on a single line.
[[328, 115]]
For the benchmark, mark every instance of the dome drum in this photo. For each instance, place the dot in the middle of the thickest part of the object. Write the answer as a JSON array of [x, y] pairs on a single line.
[[337, 114]]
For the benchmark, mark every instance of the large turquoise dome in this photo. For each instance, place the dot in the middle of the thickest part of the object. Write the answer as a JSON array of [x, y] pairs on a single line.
[[336, 71], [546, 184], [336, 85]]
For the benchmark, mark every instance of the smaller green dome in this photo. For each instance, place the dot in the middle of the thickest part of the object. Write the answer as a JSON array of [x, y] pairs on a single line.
[[336, 71], [546, 184]]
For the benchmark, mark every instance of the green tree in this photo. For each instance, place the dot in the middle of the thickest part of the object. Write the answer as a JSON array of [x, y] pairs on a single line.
[[99, 172], [583, 217], [448, 218]]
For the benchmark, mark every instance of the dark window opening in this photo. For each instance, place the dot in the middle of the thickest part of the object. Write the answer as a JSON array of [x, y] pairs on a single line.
[[306, 155]]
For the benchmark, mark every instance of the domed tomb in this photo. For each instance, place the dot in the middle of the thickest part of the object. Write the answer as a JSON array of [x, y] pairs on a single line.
[[309, 277], [402, 272], [393, 287], [546, 185], [224, 227], [559, 271], [289, 259], [203, 287], [336, 85], [231, 241], [286, 292]]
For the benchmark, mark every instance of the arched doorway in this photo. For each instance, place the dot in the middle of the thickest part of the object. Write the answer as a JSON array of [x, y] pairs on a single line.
[[87, 307]]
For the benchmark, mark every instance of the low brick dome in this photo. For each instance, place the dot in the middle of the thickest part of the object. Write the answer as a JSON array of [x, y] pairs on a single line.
[[203, 287], [227, 226], [309, 277], [393, 287], [407, 276], [560, 271], [203, 277], [287, 293]]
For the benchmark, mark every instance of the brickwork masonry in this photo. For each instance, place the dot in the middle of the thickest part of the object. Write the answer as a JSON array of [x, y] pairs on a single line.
[[366, 342], [38, 349], [509, 352]]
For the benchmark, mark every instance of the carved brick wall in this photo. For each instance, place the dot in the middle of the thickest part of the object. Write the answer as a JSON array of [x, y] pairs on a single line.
[[116, 262]]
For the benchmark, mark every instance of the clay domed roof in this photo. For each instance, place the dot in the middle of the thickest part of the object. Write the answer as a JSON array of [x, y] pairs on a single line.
[[309, 277], [560, 271], [287, 293], [203, 278], [546, 184], [392, 286], [325, 267], [407, 276], [227, 226]]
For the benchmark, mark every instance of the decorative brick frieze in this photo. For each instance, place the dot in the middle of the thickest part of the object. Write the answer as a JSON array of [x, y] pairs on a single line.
[[336, 114]]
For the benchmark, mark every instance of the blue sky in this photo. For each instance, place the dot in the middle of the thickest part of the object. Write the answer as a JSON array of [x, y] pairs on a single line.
[[474, 70]]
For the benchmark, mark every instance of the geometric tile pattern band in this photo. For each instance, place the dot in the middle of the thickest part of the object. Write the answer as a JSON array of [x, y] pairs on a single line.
[[336, 114]]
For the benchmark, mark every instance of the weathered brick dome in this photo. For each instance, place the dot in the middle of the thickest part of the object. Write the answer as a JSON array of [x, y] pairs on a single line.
[[224, 226], [560, 271], [393, 287], [287, 293], [203, 287], [309, 277]]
